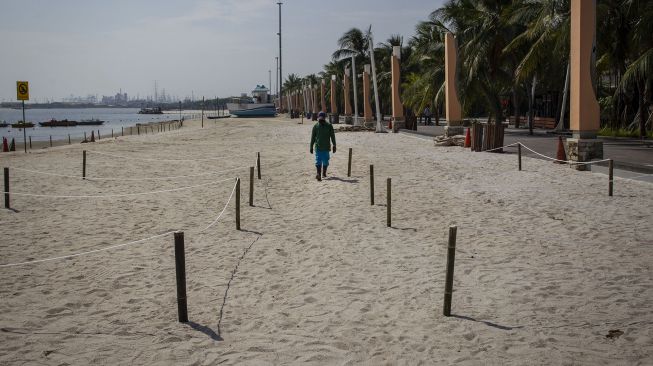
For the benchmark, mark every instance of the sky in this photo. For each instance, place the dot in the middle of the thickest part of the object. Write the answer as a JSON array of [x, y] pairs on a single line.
[[191, 47]]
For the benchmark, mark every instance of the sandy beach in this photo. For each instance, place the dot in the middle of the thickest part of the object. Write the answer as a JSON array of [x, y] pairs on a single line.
[[549, 269]]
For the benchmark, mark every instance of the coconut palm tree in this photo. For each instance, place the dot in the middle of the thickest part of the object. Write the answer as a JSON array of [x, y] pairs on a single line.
[[483, 32], [425, 81]]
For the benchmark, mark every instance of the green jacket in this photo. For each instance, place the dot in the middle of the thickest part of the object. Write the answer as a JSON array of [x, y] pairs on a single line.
[[322, 135]]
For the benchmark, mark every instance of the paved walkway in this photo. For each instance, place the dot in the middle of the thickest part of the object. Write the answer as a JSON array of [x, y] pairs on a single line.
[[633, 158], [628, 154]]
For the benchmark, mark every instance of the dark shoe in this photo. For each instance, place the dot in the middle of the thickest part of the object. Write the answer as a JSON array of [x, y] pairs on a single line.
[[317, 176], [324, 169]]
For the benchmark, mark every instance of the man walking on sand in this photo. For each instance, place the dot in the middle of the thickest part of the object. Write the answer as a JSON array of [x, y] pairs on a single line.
[[321, 137]]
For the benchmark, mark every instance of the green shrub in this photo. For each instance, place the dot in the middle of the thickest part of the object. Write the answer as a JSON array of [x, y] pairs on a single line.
[[622, 132]]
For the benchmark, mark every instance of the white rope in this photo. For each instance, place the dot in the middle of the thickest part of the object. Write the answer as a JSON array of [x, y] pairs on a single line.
[[85, 253], [502, 147], [162, 160], [637, 176], [563, 161], [221, 212], [116, 195], [127, 179]]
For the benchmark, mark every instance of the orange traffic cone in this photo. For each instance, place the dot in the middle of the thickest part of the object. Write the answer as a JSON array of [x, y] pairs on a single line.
[[468, 139], [92, 136], [561, 152], [5, 146]]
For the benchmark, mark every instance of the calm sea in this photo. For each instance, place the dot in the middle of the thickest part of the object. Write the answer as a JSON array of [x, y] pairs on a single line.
[[114, 118]]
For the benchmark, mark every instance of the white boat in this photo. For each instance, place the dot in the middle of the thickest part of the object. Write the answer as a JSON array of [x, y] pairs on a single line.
[[256, 106]]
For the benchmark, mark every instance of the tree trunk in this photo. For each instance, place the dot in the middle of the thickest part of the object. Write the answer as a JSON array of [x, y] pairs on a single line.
[[515, 102], [565, 94], [531, 101], [437, 113], [497, 126], [642, 113]]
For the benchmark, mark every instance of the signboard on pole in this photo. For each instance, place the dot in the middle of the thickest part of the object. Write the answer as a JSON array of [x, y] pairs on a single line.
[[22, 90]]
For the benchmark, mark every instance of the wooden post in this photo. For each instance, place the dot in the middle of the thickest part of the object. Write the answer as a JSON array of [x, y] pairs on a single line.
[[68, 140], [389, 202], [98, 135], [372, 185], [138, 130], [50, 140], [519, 155], [610, 176], [251, 186], [237, 203], [112, 133], [84, 135], [180, 267], [30, 142], [349, 163], [203, 111], [258, 164], [451, 257], [122, 131], [7, 188], [84, 164]]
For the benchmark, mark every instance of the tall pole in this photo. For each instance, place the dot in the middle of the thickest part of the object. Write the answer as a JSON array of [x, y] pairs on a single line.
[[355, 76], [379, 126], [270, 83], [24, 129], [276, 86], [280, 59]]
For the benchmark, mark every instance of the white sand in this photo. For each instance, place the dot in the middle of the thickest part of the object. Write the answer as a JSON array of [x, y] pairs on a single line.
[[547, 264]]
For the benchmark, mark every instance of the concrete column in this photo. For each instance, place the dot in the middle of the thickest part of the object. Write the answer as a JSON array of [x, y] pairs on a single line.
[[367, 106], [346, 88], [322, 96], [452, 104], [584, 109], [397, 107]]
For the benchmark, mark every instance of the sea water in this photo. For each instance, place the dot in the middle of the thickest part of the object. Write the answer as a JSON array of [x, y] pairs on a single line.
[[114, 118]]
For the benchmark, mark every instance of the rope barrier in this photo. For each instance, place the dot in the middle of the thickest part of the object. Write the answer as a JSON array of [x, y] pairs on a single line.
[[563, 161], [124, 244], [162, 160], [221, 212], [85, 253], [637, 176], [117, 195], [503, 147], [127, 179]]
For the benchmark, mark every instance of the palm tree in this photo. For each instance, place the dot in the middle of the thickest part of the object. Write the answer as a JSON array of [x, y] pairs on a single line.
[[425, 82], [545, 35], [639, 74], [483, 32]]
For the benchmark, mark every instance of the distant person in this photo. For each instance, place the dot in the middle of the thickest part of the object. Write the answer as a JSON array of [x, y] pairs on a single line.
[[321, 137], [427, 115]]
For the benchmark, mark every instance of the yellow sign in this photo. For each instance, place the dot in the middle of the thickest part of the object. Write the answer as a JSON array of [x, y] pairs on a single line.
[[22, 90]]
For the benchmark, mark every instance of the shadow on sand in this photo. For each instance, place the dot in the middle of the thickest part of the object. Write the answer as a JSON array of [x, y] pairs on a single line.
[[489, 324], [206, 330]]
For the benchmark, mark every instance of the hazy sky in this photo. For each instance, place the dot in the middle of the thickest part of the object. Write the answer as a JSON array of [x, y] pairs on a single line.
[[205, 47]]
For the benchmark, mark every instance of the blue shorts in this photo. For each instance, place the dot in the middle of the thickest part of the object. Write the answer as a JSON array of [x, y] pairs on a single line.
[[322, 157]]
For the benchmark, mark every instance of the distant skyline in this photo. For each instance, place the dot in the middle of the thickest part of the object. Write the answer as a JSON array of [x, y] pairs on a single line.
[[199, 47]]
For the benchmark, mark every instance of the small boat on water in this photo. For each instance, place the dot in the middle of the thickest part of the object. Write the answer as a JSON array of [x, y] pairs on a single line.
[[90, 122], [155, 110], [256, 106], [21, 124], [58, 123]]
